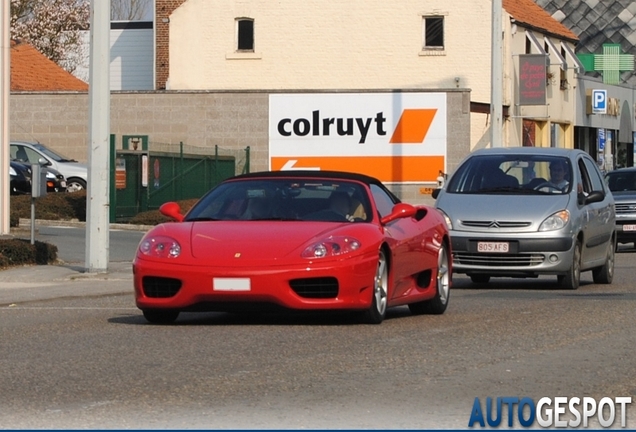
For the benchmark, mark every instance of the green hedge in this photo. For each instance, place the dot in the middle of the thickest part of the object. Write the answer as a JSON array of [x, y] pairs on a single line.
[[15, 252], [52, 206]]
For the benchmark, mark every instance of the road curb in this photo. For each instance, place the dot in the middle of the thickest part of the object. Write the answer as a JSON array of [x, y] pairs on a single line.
[[26, 224]]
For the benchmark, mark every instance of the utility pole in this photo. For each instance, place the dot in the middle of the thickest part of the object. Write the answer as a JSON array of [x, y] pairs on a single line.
[[97, 194], [5, 90], [496, 77]]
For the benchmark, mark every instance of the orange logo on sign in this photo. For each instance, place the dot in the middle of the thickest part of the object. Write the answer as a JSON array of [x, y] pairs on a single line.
[[413, 126]]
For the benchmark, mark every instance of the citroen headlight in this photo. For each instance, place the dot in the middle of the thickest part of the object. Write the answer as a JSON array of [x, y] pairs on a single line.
[[449, 224], [160, 247], [50, 175], [330, 247], [556, 221], [12, 172]]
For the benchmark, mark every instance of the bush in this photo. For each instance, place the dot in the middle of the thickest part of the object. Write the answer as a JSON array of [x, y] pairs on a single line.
[[52, 206], [14, 252]]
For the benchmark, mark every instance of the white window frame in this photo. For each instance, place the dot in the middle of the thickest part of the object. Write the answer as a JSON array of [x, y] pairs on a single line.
[[434, 50]]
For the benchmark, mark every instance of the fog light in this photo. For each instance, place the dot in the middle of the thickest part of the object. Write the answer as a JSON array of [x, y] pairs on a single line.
[[554, 258]]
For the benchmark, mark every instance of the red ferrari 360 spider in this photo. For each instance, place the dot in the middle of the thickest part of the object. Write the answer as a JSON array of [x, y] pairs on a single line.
[[303, 240]]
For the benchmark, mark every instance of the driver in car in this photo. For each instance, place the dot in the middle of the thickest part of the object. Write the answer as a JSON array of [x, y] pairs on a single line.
[[557, 175], [340, 202]]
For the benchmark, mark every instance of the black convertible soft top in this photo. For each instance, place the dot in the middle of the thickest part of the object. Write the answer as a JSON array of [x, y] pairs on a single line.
[[344, 175], [312, 173]]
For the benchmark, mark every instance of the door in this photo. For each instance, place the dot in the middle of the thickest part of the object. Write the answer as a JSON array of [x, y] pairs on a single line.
[[599, 215]]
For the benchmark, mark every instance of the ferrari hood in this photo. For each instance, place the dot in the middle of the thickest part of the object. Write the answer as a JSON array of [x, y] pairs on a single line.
[[251, 240]]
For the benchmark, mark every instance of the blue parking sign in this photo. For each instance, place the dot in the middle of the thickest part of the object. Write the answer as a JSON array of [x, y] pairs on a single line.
[[599, 101]]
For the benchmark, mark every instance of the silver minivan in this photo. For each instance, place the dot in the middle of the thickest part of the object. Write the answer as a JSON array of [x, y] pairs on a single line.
[[530, 211]]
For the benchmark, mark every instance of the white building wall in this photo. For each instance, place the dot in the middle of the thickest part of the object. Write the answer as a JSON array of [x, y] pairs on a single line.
[[314, 44], [131, 58]]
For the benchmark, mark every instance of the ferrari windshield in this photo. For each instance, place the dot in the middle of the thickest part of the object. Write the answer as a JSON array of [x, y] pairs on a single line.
[[512, 174], [284, 199]]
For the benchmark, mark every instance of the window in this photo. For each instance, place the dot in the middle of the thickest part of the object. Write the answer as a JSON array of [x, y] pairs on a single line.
[[245, 34], [383, 201], [433, 32]]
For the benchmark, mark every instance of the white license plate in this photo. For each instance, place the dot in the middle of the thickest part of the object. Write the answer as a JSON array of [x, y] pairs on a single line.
[[629, 227], [231, 284], [493, 247]]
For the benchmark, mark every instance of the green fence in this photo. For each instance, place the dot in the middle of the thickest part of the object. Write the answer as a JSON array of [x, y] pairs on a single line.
[[145, 179]]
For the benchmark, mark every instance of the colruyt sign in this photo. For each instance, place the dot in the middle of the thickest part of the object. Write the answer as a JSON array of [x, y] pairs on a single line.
[[395, 137]]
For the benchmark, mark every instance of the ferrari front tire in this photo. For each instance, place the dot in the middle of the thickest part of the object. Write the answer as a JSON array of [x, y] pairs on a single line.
[[376, 313], [438, 304], [161, 316]]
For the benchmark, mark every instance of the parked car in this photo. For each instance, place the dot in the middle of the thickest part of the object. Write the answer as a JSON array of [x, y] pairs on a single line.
[[508, 217], [622, 183], [19, 178], [283, 240], [55, 181], [75, 173], [21, 175]]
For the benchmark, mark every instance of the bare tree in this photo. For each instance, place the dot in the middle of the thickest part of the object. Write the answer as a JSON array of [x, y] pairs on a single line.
[[53, 27], [130, 10]]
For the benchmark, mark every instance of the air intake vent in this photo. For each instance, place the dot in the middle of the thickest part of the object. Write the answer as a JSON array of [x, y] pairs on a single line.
[[499, 260], [323, 287], [160, 287]]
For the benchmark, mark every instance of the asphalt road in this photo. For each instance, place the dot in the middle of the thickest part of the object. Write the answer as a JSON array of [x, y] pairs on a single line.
[[94, 362]]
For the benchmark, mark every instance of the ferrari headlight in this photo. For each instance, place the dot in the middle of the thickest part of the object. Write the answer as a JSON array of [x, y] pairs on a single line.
[[556, 221], [330, 247], [160, 247]]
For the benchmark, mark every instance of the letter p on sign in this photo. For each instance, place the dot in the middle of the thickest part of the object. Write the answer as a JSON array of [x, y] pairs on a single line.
[[599, 101]]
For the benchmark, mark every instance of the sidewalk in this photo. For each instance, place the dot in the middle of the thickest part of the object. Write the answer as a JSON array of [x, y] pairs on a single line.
[[43, 282]]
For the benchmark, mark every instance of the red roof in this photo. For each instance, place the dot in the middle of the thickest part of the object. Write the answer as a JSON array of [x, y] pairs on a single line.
[[33, 71], [529, 14]]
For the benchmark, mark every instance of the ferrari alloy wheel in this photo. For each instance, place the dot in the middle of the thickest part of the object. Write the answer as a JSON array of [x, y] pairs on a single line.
[[161, 316], [605, 273], [376, 313], [573, 277], [438, 304]]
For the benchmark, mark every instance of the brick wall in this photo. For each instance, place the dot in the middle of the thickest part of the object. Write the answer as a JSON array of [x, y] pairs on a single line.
[[231, 120], [162, 31]]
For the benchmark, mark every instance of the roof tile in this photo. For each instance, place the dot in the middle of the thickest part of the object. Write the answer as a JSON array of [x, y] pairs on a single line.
[[33, 71], [528, 13]]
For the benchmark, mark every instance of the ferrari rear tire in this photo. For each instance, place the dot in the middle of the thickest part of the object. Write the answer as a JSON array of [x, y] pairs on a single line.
[[161, 316], [376, 313], [438, 304]]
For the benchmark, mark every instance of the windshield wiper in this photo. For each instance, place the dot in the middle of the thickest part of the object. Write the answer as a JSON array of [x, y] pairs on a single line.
[[499, 189], [201, 219]]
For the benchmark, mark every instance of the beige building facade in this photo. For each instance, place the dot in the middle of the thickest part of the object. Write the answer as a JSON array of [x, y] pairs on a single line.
[[369, 45]]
